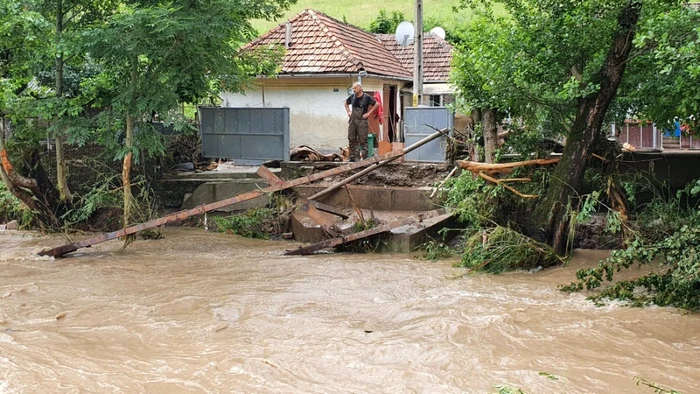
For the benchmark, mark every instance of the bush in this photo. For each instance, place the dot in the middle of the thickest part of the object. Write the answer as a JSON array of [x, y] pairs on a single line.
[[254, 223], [675, 247]]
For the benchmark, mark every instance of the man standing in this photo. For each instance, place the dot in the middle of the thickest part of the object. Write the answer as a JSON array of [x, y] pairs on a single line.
[[362, 107]]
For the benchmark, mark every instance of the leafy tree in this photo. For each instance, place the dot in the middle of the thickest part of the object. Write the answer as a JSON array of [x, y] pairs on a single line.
[[385, 24], [22, 30], [63, 61], [158, 54], [568, 58], [665, 70], [482, 72], [40, 46]]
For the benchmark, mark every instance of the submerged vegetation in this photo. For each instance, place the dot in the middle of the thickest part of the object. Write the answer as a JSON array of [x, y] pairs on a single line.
[[658, 228], [667, 236]]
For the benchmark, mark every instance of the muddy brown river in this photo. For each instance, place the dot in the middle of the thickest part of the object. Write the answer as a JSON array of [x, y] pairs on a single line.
[[200, 312]]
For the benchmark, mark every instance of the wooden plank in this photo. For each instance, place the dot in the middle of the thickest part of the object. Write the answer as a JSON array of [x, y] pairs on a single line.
[[331, 243], [328, 208], [268, 176], [177, 216], [443, 182]]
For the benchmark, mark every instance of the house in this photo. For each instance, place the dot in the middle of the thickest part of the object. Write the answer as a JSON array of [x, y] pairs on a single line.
[[323, 57], [437, 61]]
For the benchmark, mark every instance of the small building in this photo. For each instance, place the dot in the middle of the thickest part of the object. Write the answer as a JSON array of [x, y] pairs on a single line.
[[323, 57]]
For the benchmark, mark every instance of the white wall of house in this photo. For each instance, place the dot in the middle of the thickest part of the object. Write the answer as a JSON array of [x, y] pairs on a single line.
[[317, 113]]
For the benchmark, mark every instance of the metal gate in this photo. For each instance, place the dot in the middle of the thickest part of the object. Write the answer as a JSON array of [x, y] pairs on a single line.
[[249, 136], [416, 121]]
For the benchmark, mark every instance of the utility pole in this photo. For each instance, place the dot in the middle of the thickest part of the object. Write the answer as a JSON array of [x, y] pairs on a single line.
[[418, 56]]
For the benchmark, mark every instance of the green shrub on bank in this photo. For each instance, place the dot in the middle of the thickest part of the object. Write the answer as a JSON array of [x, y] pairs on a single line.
[[668, 235], [254, 223], [494, 216]]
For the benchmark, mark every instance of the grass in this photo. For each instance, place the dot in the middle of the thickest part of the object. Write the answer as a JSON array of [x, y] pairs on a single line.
[[435, 12]]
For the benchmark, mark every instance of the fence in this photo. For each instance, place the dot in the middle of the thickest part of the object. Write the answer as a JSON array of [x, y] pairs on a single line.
[[249, 136]]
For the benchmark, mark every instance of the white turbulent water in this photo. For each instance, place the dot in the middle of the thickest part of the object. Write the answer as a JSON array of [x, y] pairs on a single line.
[[212, 313]]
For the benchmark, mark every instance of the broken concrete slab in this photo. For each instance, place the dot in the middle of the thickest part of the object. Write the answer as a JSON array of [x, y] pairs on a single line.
[[407, 238], [381, 198], [403, 239], [345, 239]]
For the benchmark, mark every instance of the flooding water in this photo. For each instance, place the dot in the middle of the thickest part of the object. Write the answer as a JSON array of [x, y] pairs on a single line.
[[202, 312]]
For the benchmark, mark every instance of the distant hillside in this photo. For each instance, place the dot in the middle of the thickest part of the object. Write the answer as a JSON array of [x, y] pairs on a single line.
[[362, 13]]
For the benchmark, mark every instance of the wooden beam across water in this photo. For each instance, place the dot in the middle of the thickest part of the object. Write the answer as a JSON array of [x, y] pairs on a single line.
[[201, 209]]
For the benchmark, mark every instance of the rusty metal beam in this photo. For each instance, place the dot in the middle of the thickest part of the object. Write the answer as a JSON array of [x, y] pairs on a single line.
[[177, 216], [323, 219], [328, 208], [333, 242], [271, 179]]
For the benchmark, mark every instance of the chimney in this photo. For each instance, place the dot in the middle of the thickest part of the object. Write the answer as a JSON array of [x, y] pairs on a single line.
[[288, 35]]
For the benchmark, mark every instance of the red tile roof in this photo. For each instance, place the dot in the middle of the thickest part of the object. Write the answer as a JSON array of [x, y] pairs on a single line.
[[437, 56], [323, 45]]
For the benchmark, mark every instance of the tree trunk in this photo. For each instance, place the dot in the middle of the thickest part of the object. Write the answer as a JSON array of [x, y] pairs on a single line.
[[129, 145], [22, 195], [552, 215], [126, 170], [35, 194], [490, 135], [476, 119], [61, 169]]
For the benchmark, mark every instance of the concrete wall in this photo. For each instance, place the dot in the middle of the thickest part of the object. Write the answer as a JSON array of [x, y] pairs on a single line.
[[317, 113]]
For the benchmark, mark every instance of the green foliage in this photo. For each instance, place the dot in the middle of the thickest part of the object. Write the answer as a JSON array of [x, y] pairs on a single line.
[[254, 223], [13, 209], [669, 236], [495, 218], [472, 199], [102, 195], [435, 250], [481, 204], [385, 24], [508, 390], [657, 389], [499, 249], [362, 225], [664, 78]]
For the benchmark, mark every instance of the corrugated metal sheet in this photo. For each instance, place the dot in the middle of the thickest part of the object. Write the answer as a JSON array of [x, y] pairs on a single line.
[[250, 136], [416, 127]]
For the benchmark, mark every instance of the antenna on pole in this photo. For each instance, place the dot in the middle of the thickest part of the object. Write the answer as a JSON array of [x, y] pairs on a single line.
[[418, 56]]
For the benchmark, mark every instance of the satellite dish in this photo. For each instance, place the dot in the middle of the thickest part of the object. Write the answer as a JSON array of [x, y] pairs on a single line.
[[438, 31], [405, 33]]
